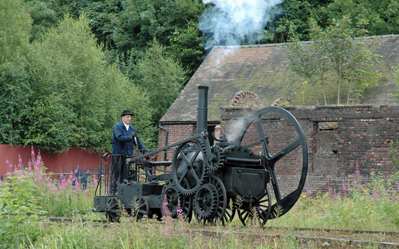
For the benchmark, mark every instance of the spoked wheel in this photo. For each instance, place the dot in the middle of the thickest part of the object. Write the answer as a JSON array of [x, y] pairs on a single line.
[[221, 214], [259, 210], [141, 208], [275, 144], [189, 165], [112, 210]]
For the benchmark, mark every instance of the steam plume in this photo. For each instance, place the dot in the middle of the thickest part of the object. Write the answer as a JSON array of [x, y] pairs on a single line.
[[237, 127], [231, 22]]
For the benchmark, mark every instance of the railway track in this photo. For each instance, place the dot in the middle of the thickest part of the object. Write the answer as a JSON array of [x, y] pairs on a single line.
[[356, 238], [342, 238]]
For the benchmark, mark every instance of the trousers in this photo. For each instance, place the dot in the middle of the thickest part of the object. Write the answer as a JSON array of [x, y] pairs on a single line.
[[117, 171]]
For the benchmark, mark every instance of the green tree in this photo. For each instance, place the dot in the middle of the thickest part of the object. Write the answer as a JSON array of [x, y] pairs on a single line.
[[161, 76], [292, 19], [359, 70], [15, 25], [382, 16], [75, 99], [127, 27], [341, 46], [335, 49]]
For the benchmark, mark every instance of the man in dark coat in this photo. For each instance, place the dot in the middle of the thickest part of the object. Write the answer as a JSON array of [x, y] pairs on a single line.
[[124, 139]]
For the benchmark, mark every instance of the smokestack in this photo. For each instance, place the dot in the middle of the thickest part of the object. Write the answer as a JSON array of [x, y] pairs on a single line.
[[202, 111]]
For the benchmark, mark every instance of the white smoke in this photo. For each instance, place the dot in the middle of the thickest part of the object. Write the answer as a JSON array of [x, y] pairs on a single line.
[[231, 22], [237, 127]]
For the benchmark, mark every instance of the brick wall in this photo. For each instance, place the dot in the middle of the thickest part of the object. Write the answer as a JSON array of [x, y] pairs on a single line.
[[341, 141]]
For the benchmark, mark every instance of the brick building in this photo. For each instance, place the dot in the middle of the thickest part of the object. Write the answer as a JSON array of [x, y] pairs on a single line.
[[341, 139]]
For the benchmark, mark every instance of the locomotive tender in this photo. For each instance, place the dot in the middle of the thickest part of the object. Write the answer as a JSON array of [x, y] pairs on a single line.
[[214, 183]]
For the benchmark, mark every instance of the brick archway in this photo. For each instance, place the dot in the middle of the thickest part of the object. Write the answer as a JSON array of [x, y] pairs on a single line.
[[246, 98]]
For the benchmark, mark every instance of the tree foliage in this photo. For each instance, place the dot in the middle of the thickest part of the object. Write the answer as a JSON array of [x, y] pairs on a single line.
[[69, 67], [335, 49], [382, 17], [59, 91], [161, 76], [15, 25]]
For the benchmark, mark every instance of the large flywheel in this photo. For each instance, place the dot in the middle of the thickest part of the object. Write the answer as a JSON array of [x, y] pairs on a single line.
[[276, 135]]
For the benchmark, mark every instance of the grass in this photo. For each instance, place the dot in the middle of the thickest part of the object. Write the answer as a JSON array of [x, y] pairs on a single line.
[[30, 195]]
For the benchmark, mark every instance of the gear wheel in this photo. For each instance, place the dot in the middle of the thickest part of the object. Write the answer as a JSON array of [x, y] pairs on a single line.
[[206, 202], [219, 158], [189, 163], [175, 201]]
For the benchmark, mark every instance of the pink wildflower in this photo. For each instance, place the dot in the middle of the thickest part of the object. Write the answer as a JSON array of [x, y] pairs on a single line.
[[343, 187], [309, 193], [330, 190], [179, 211], [19, 166], [357, 172], [56, 198], [335, 196]]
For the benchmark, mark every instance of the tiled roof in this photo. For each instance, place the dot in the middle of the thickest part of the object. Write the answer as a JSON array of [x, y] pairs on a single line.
[[261, 69]]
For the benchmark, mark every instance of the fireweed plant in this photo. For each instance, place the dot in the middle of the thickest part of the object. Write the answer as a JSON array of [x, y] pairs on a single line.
[[33, 192]]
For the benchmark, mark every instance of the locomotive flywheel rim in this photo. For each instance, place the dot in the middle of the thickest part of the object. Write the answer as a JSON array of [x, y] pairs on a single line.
[[192, 164], [283, 205]]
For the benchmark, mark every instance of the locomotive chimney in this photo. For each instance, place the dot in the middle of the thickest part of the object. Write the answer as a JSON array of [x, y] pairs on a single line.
[[202, 111]]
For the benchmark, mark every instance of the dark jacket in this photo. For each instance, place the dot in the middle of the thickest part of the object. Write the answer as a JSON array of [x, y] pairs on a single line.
[[121, 142]]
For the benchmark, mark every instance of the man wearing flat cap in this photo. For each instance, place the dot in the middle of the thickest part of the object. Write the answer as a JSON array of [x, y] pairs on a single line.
[[124, 139]]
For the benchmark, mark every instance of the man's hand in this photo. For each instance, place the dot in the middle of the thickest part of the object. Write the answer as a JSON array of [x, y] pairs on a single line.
[[132, 135]]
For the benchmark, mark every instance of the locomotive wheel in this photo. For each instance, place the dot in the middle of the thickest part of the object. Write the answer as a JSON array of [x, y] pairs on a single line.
[[214, 215], [206, 203], [260, 210], [189, 164], [282, 205], [112, 210], [175, 201], [142, 207], [221, 212]]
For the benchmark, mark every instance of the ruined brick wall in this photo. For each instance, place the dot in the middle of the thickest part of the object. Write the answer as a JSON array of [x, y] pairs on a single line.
[[341, 140]]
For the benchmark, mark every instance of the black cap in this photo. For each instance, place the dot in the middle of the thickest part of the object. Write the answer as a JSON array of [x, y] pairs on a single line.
[[126, 112]]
